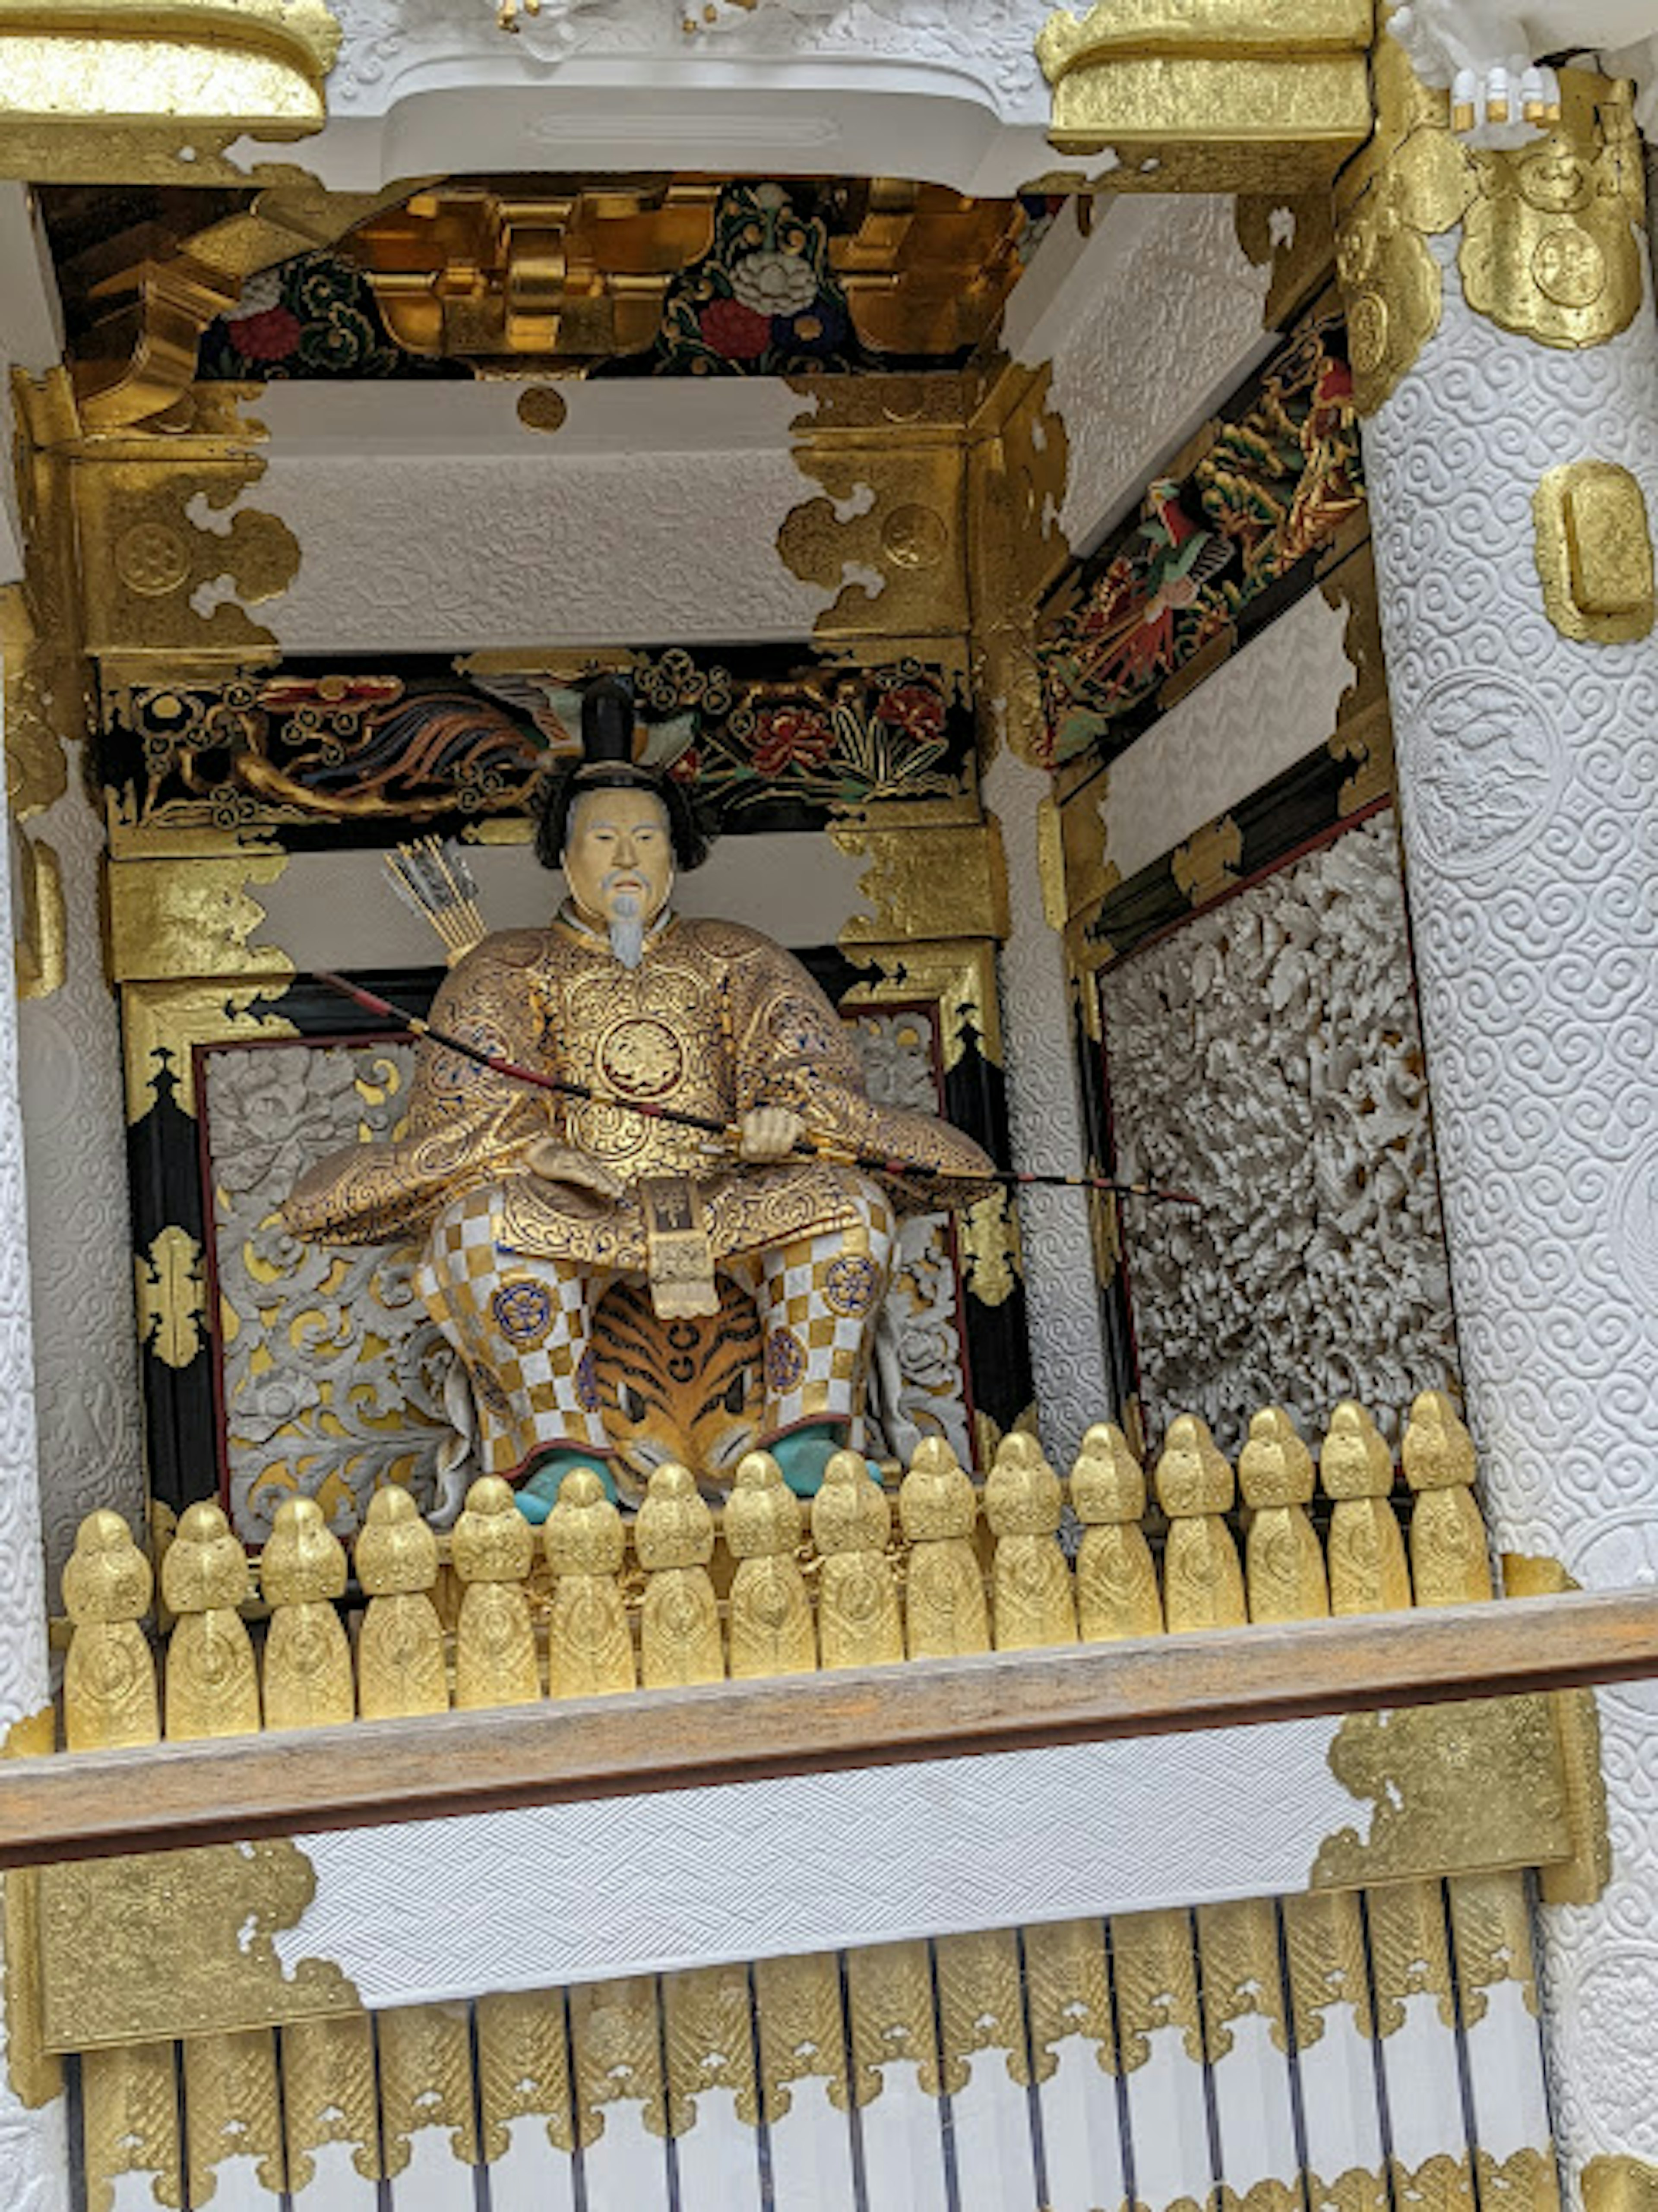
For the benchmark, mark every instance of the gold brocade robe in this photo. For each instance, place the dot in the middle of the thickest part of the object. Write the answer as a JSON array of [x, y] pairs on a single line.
[[716, 1019]]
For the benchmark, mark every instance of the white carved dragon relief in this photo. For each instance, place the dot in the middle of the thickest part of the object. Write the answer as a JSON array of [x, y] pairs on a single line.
[[1491, 56], [992, 42]]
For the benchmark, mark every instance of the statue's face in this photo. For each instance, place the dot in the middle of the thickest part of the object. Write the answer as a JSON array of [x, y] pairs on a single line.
[[618, 848]]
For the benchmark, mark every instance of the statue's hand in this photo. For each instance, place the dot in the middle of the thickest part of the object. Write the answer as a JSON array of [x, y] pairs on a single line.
[[768, 1133], [554, 1163]]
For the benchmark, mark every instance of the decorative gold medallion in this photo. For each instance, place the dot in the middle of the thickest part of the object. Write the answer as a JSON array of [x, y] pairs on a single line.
[[1594, 554]]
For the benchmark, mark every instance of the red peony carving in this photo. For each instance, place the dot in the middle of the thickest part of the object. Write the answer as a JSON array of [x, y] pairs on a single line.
[[792, 737], [915, 710], [735, 331], [272, 335]]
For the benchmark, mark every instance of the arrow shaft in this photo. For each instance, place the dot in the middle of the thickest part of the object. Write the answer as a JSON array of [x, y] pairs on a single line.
[[707, 1125]]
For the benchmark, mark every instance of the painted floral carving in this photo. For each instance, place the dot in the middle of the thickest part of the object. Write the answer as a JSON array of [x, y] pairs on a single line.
[[771, 282], [785, 736], [769, 733], [313, 316], [764, 300]]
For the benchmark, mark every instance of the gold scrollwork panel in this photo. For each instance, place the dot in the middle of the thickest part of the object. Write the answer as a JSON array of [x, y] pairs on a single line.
[[173, 1943]]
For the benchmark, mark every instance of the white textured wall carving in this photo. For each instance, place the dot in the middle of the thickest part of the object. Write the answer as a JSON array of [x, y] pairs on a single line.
[[86, 1355], [508, 1900], [1266, 1057], [1527, 770], [1262, 711], [912, 87], [34, 2151], [1068, 1344], [1174, 321], [991, 43], [649, 515]]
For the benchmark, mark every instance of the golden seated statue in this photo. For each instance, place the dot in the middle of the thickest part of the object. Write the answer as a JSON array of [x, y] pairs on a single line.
[[720, 1151]]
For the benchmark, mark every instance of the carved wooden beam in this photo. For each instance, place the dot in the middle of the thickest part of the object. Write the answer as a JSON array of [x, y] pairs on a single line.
[[95, 1804]]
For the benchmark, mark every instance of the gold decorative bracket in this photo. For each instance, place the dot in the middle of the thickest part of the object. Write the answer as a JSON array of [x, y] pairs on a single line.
[[178, 1942], [1217, 95], [143, 357], [84, 88], [1595, 553], [563, 276], [1551, 246], [1619, 2184]]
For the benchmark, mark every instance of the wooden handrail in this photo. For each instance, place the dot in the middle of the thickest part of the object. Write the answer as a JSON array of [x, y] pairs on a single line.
[[97, 1804]]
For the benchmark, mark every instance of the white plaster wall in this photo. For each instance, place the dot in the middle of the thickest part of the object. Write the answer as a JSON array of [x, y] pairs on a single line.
[[86, 1359], [1257, 716], [430, 519], [326, 908]]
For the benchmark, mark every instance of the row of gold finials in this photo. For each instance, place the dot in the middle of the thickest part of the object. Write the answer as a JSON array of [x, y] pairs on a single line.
[[850, 1596]]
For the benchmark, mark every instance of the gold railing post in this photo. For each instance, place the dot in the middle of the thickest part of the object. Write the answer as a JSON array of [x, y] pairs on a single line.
[[328, 2090], [233, 2103], [129, 2095]]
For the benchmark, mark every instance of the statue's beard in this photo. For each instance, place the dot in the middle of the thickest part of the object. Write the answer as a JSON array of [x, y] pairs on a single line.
[[627, 929]]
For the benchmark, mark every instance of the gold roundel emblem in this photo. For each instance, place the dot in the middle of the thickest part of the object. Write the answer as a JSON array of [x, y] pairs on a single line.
[[152, 559], [642, 1056], [1569, 268]]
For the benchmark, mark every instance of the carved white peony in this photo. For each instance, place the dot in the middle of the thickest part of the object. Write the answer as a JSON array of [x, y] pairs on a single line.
[[772, 282], [1482, 50]]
